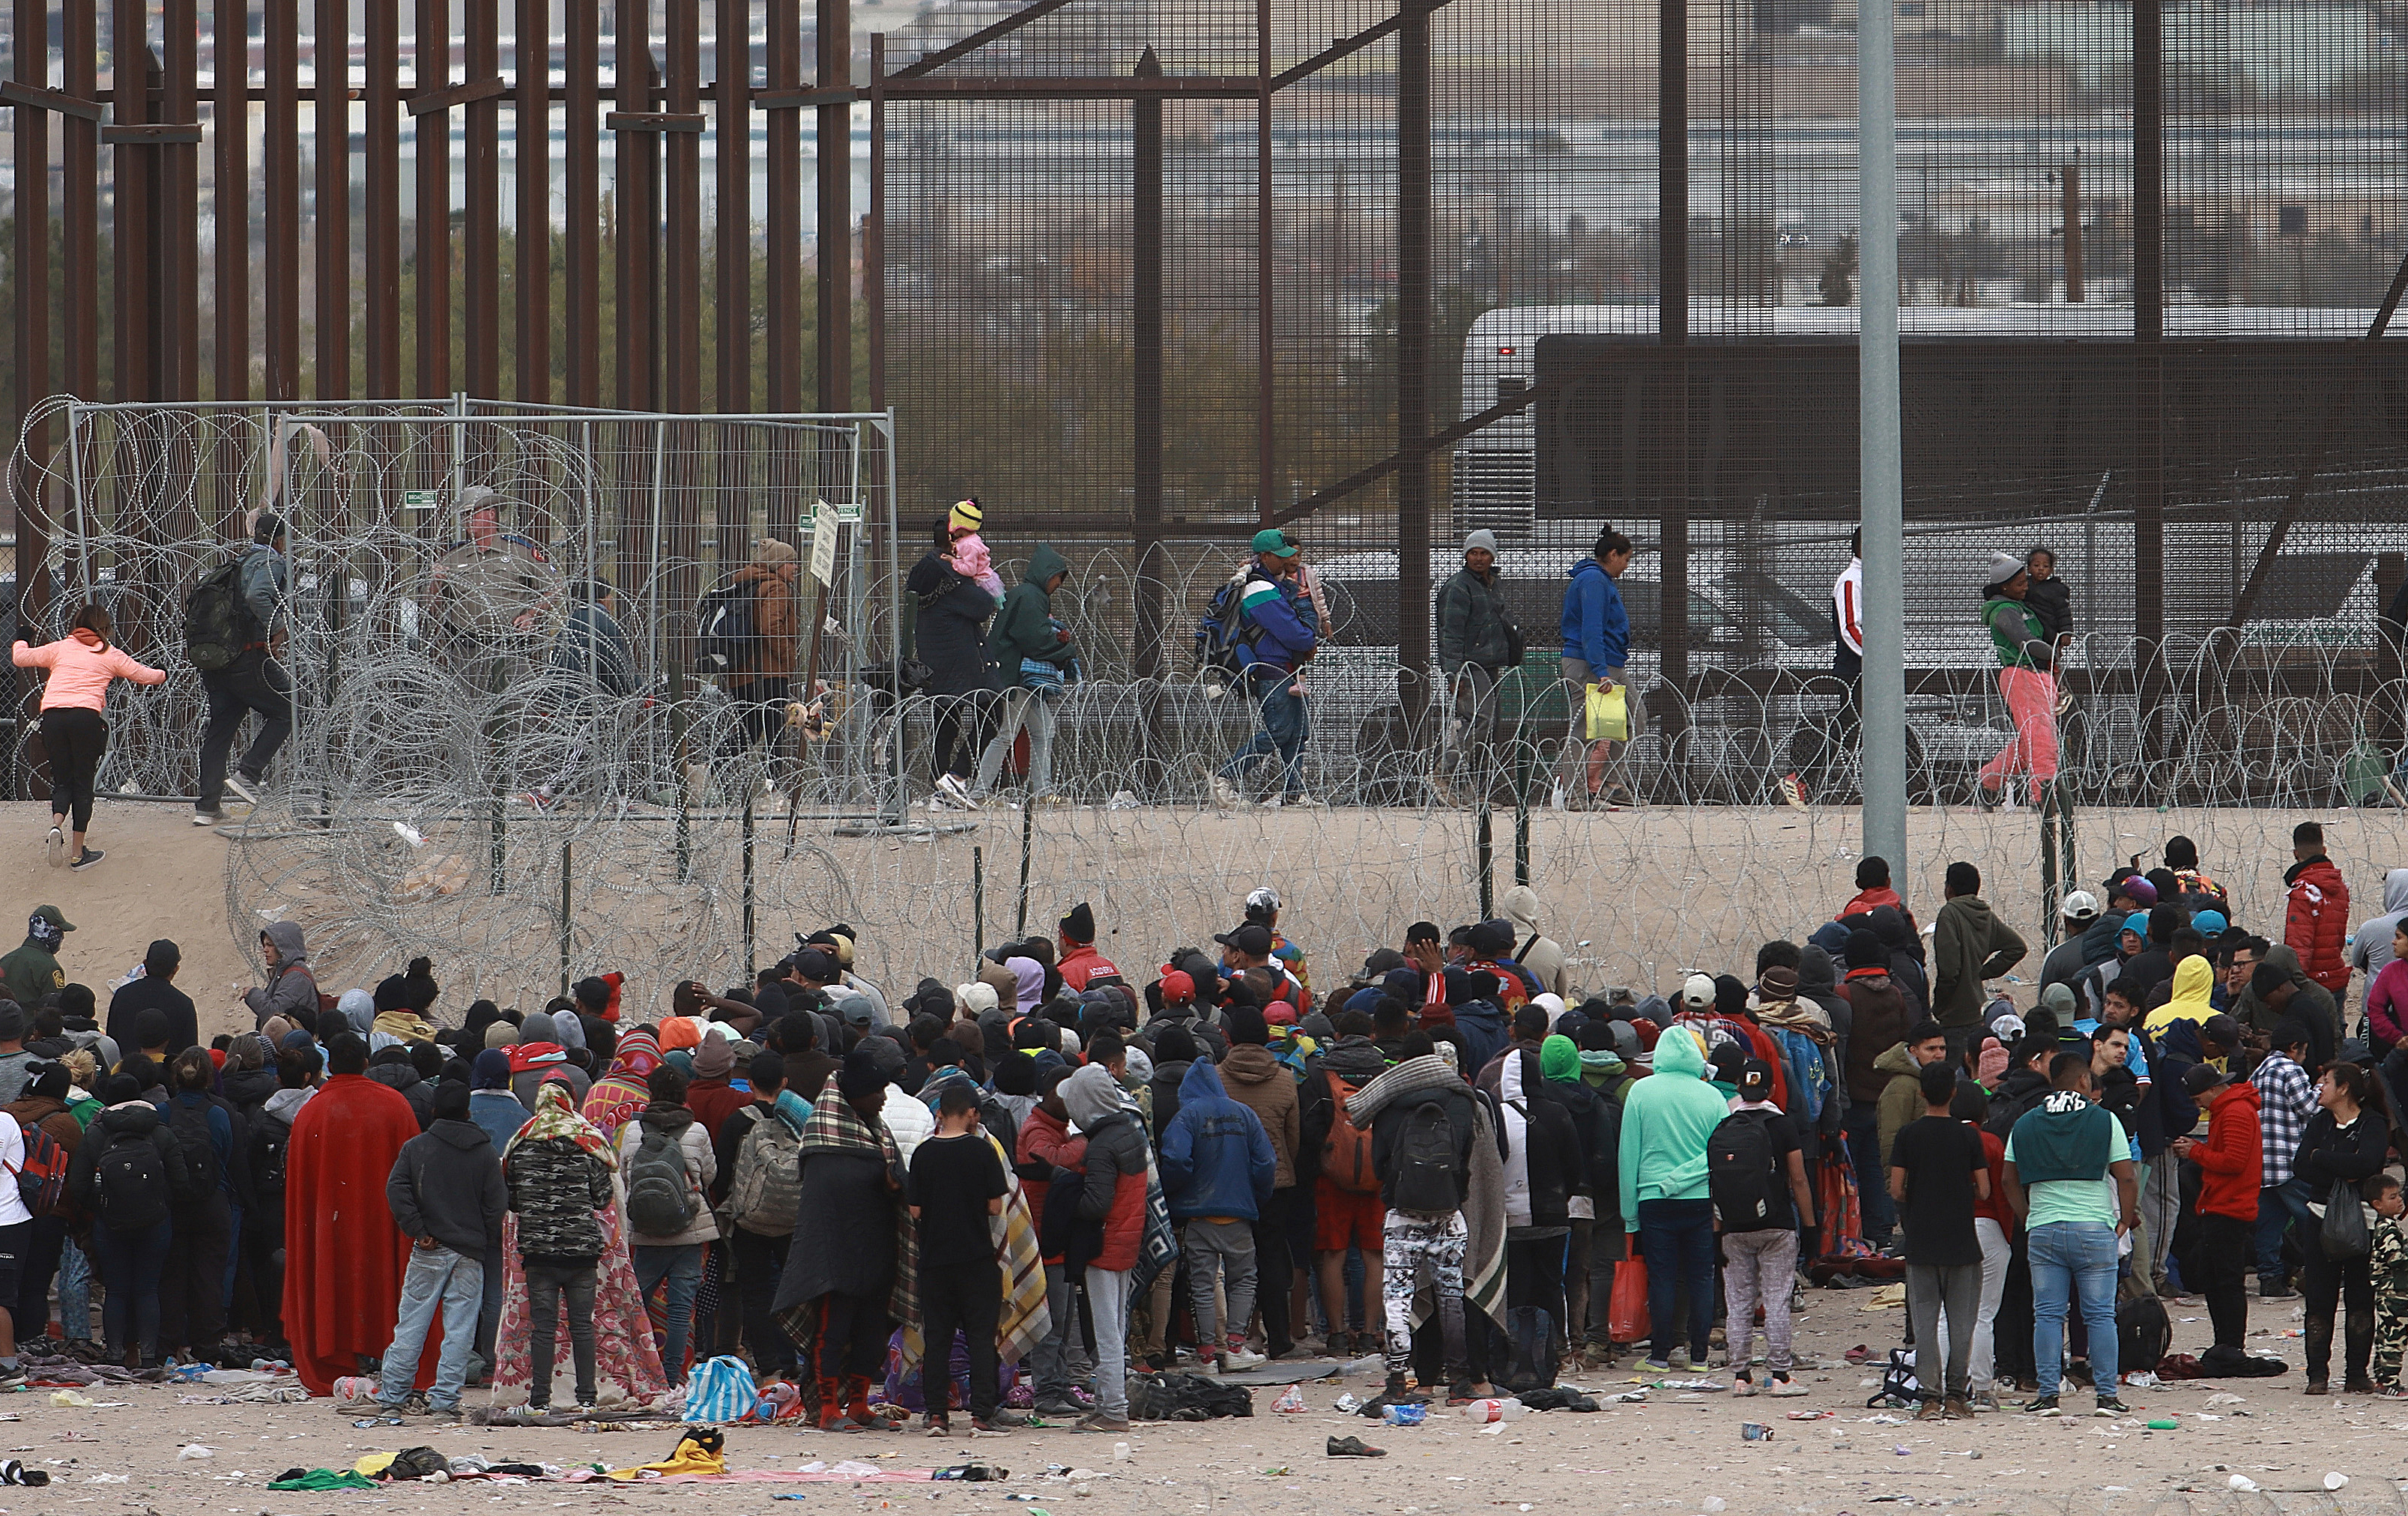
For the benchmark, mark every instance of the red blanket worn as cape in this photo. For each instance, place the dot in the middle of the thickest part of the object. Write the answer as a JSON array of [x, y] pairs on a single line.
[[344, 1256]]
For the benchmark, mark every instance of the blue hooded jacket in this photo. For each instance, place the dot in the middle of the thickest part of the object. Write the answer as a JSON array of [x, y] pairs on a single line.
[[1289, 627], [1595, 628], [1216, 1158]]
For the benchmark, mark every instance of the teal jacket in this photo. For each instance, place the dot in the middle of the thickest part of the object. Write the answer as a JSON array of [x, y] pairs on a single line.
[[1666, 1119], [1021, 628]]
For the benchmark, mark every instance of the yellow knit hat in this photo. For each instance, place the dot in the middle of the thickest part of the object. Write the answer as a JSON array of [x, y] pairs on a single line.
[[966, 517]]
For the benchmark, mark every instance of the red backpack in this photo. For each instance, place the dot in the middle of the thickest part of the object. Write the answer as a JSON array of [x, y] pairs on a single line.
[[325, 1001], [1347, 1152], [43, 1181]]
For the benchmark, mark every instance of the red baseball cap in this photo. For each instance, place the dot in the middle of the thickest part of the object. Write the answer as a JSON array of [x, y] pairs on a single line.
[[1178, 986]]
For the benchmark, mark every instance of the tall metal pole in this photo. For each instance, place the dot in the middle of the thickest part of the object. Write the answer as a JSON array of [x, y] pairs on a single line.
[[1412, 356], [1880, 475], [1145, 445]]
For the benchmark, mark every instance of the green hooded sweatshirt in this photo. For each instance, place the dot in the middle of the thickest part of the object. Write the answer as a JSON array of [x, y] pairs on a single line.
[[1666, 1119], [1020, 626]]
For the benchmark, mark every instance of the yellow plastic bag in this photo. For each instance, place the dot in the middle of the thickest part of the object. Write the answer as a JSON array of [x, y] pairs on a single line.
[[1609, 713]]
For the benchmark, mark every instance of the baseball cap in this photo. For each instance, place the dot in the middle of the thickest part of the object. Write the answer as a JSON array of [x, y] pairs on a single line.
[[1272, 540], [2210, 922], [1755, 1080], [52, 915], [2136, 889], [1254, 939], [2080, 905], [814, 964], [1178, 987], [1697, 993], [2202, 1078]]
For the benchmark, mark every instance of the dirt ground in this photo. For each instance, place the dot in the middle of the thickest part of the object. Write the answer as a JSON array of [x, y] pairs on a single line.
[[1638, 897], [1669, 1454]]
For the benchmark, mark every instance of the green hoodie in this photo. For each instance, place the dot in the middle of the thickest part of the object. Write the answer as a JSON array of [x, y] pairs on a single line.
[[1020, 627], [1902, 1098], [1666, 1119]]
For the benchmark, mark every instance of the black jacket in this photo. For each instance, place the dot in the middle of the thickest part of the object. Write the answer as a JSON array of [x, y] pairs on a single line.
[[147, 993], [2328, 1153], [951, 630], [851, 1249], [1164, 1089], [1554, 1159], [447, 1183], [403, 1080], [2051, 604], [1597, 1122], [135, 1122], [1387, 1130]]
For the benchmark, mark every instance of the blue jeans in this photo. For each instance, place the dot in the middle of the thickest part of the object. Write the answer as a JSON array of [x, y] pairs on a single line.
[[75, 1291], [1284, 730], [681, 1265], [1678, 1239], [2076, 1259], [436, 1279], [2278, 1206]]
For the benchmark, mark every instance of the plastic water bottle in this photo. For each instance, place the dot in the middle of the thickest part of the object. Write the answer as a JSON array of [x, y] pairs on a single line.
[[1495, 1409]]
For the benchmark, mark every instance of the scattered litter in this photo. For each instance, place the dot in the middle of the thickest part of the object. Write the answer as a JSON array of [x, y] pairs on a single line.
[[1690, 1384], [2166, 1425], [1404, 1415], [2225, 1399], [1347, 1405], [1495, 1409], [1755, 1432], [107, 1478], [1291, 1400], [193, 1451], [2242, 1482], [2335, 1481], [1812, 1415]]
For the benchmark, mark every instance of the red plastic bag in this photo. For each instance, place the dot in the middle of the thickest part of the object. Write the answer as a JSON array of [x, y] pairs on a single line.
[[1628, 1318]]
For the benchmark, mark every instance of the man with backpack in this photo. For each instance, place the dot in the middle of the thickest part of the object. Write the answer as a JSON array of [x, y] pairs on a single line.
[[1275, 636], [1425, 1121], [666, 1159], [232, 630], [51, 1134], [758, 1153], [192, 1295], [271, 1146], [1756, 1174], [128, 1176], [448, 1198]]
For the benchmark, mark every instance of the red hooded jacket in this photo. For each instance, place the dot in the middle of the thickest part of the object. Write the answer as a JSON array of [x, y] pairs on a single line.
[[2315, 921], [2231, 1157]]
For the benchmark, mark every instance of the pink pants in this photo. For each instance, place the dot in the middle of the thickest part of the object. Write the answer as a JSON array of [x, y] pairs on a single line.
[[2031, 703]]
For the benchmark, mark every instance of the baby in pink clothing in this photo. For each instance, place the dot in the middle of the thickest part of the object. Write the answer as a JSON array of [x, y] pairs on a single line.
[[968, 554]]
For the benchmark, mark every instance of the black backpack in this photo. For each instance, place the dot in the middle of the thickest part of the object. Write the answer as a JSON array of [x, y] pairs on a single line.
[[2143, 1333], [133, 1183], [1535, 1360], [1426, 1183], [217, 622], [1739, 1171], [1224, 629], [726, 628], [270, 1141], [189, 1123]]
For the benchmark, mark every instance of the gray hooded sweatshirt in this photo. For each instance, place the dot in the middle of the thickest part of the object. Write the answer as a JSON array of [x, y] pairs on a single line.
[[2371, 950], [294, 986]]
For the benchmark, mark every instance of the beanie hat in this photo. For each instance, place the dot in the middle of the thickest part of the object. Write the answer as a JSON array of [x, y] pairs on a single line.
[[860, 1074], [1696, 992], [1246, 1027], [1016, 1074], [450, 1101], [714, 1056], [1174, 1044], [1865, 951], [1079, 924], [1778, 982], [965, 516], [1998, 567], [1484, 538]]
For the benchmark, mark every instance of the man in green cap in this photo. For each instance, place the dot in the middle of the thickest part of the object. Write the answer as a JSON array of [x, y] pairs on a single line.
[[32, 970], [1271, 602]]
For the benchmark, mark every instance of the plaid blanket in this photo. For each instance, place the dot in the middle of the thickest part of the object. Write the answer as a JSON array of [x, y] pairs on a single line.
[[835, 1126]]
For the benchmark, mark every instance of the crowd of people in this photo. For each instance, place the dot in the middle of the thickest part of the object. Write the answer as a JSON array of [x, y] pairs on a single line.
[[1021, 1189]]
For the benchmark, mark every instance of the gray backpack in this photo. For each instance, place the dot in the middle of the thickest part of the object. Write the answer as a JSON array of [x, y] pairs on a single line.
[[660, 1202]]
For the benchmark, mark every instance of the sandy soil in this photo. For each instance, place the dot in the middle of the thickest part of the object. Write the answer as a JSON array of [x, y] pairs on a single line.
[[1664, 1456], [1638, 897]]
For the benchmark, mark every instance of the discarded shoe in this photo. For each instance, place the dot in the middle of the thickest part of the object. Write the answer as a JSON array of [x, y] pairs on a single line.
[[1353, 1448]]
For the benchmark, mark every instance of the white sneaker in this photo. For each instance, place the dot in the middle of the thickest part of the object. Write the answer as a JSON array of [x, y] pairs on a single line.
[[1237, 1360], [1786, 1388], [1225, 793], [1555, 797], [208, 818], [953, 789], [242, 790], [54, 849]]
